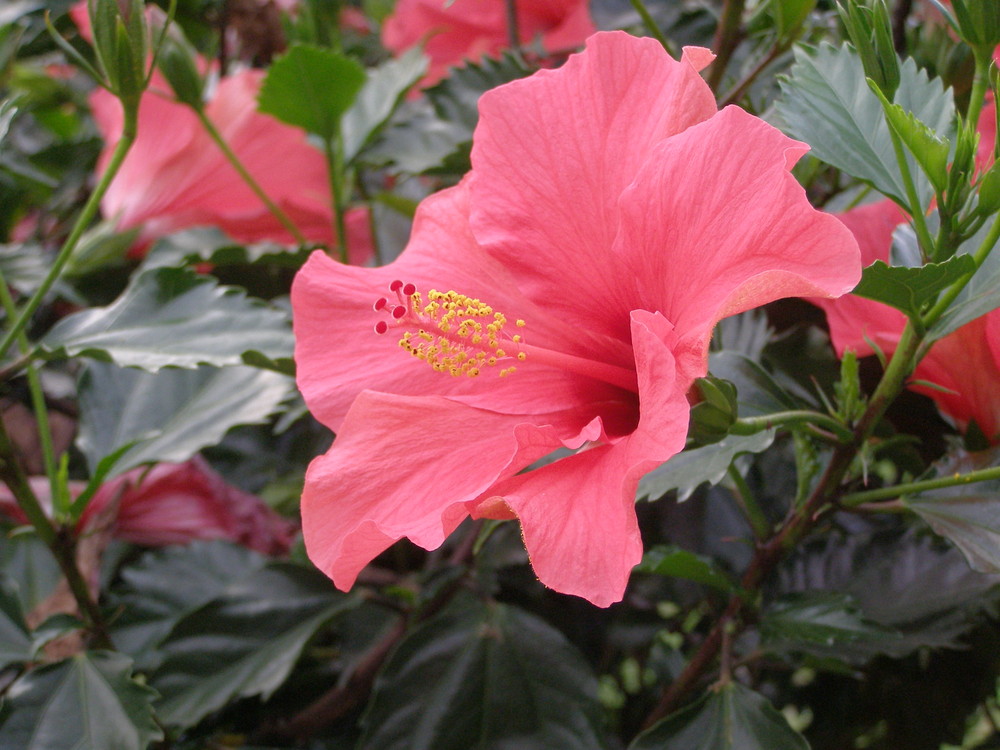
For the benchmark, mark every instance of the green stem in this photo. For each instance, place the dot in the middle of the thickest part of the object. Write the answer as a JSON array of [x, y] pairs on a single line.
[[944, 302], [513, 32], [916, 211], [748, 502], [653, 28], [727, 36], [82, 222], [234, 160], [38, 405], [885, 493], [334, 149], [753, 425], [981, 81], [60, 543]]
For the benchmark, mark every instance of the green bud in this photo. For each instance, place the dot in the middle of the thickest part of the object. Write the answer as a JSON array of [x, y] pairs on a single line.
[[870, 31], [977, 22], [177, 63], [989, 191], [712, 418], [121, 42]]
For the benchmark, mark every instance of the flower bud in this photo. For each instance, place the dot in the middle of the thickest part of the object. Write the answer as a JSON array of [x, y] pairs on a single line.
[[176, 61], [121, 41], [977, 22], [870, 30], [712, 418]]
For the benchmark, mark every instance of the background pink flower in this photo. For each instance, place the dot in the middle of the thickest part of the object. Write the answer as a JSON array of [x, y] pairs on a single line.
[[174, 504], [966, 362], [617, 215], [470, 29], [176, 177]]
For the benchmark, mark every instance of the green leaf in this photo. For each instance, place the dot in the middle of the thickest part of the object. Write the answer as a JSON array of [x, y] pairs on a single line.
[[245, 642], [910, 289], [821, 617], [23, 266], [486, 671], [757, 392], [311, 88], [151, 602], [87, 702], [210, 245], [378, 99], [25, 558], [173, 317], [826, 102], [15, 638], [668, 560], [687, 471], [980, 296], [930, 151], [731, 717], [968, 515], [172, 414]]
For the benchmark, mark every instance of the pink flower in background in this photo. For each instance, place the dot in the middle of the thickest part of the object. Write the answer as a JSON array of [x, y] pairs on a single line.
[[966, 362], [175, 504], [175, 176], [470, 29], [611, 217]]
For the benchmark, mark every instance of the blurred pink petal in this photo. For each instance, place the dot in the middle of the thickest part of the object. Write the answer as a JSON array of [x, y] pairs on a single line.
[[173, 504], [611, 217], [463, 30]]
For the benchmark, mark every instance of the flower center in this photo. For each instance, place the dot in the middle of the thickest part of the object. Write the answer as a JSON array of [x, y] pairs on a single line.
[[462, 335]]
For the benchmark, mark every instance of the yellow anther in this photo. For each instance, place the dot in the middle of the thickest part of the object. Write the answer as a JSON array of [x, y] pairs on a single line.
[[521, 356], [520, 323]]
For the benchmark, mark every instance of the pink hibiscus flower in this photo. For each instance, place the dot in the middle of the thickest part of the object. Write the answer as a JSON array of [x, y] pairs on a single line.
[[176, 177], [174, 504], [611, 217], [471, 29], [965, 362]]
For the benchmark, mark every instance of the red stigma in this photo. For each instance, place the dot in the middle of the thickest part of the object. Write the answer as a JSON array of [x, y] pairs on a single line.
[[381, 327]]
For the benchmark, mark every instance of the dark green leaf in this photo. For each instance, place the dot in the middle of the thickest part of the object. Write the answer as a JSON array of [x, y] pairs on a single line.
[[210, 245], [824, 618], [969, 514], [87, 702], [172, 413], [245, 642], [483, 676], [311, 88], [25, 559], [827, 103], [172, 317], [668, 560], [757, 392], [151, 602], [731, 717], [379, 98], [908, 582], [15, 638], [425, 139], [687, 471], [910, 289]]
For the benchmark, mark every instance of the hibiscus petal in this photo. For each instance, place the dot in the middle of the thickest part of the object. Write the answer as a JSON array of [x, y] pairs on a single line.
[[578, 514], [856, 321], [715, 224], [333, 314], [404, 466], [553, 152]]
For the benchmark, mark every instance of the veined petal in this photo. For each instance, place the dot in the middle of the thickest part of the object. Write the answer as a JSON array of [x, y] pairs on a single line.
[[715, 224], [333, 315], [553, 152], [404, 466], [578, 514]]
